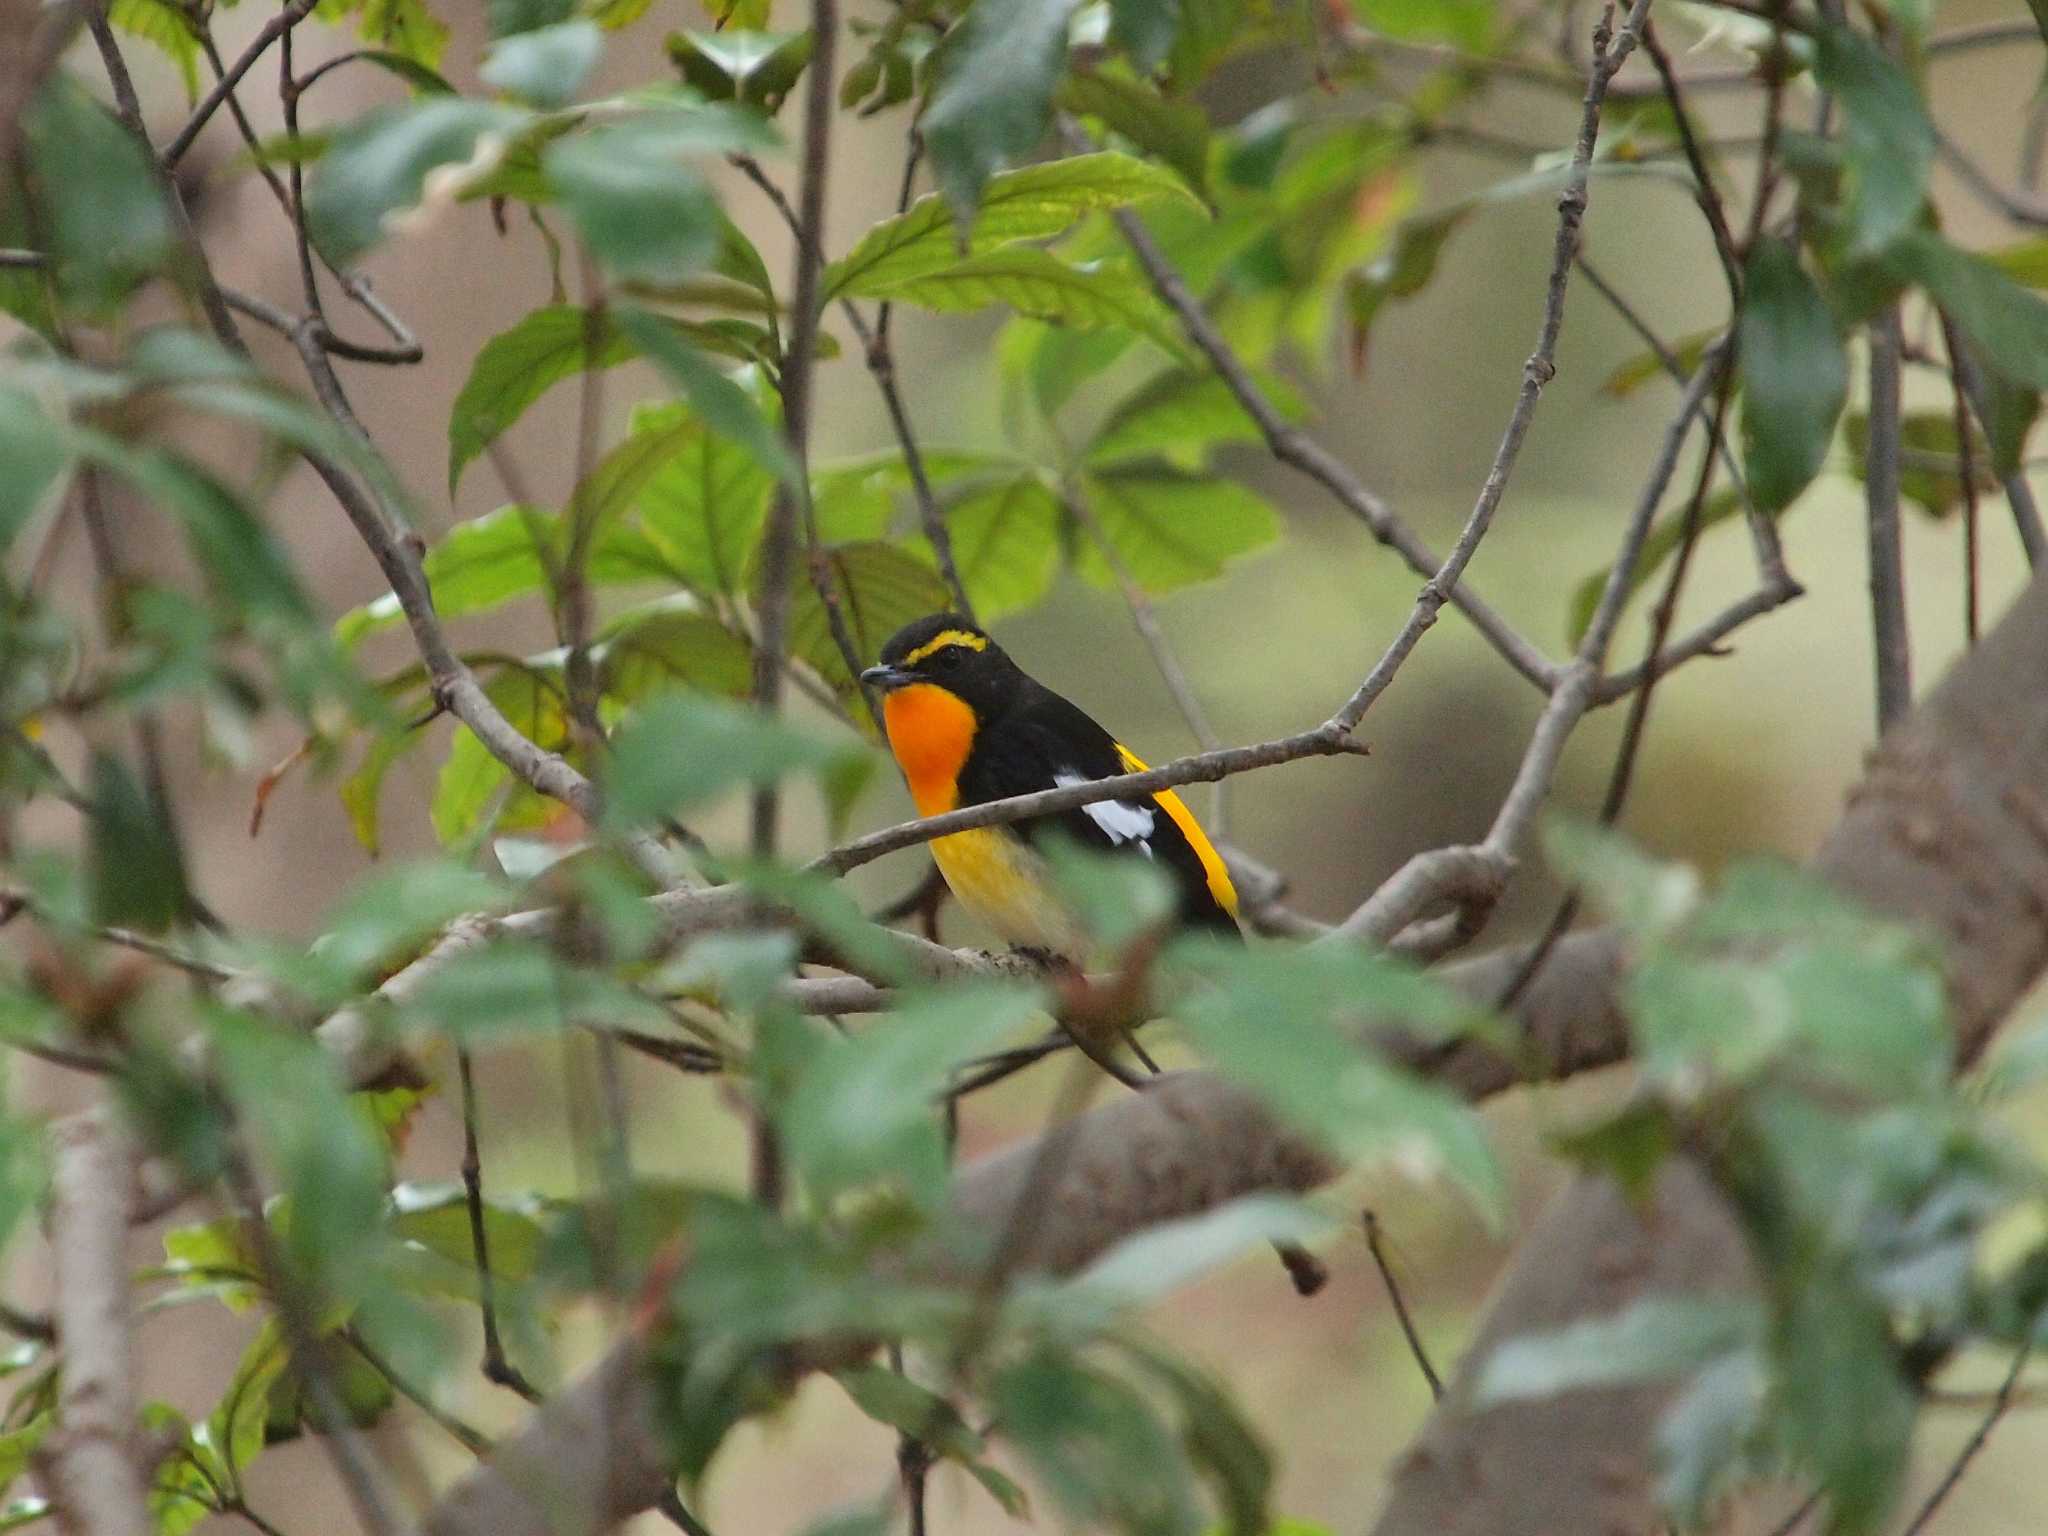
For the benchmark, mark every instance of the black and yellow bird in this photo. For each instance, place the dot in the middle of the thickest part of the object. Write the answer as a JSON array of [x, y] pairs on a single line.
[[967, 726]]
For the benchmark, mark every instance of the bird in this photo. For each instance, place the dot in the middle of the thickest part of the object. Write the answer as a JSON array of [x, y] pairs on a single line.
[[967, 725]]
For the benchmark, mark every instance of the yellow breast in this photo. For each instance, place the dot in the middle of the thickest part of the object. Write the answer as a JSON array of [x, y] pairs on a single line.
[[998, 878]]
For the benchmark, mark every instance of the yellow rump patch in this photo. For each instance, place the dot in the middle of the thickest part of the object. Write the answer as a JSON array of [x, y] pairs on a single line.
[[1212, 862], [945, 640]]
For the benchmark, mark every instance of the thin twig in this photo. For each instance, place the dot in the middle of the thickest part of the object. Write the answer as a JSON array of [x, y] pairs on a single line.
[[498, 1370], [467, 1436], [1966, 474], [1708, 195], [1894, 665], [2019, 495], [1415, 1345], [1968, 1453], [294, 12]]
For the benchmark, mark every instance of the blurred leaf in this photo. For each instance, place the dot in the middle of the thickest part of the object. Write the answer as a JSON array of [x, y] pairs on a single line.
[[1036, 283], [236, 1429], [1665, 538], [2009, 410], [1160, 1259], [1096, 1445], [1630, 376], [1887, 141], [509, 18], [1651, 1338], [667, 645], [681, 750], [824, 909], [405, 27], [880, 589], [865, 1107], [2005, 321], [757, 68], [1630, 1146], [643, 213], [1793, 372], [1176, 131], [1183, 415], [1221, 1446], [705, 507], [1703, 1436], [135, 865], [1036, 202], [1170, 529], [546, 66], [103, 219], [1930, 468], [380, 165], [1402, 272], [388, 918], [725, 407], [246, 564], [1288, 1022], [891, 1398], [1467, 23], [36, 451], [658, 437], [1006, 543], [1144, 29], [993, 99], [1114, 899]]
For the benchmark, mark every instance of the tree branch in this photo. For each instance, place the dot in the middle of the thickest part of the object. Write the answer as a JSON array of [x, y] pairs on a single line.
[[1891, 640]]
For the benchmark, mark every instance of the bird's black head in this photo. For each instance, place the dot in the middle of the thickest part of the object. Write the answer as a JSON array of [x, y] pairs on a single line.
[[951, 653]]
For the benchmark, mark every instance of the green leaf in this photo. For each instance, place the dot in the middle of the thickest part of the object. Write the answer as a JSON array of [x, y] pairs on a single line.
[[672, 646], [1467, 23], [880, 589], [1096, 1445], [380, 164], [1287, 1024], [993, 100], [1930, 469], [1666, 536], [1794, 375], [509, 18], [436, 1216], [1160, 1259], [1630, 1146], [235, 1430], [1144, 29], [2008, 324], [1649, 897], [1402, 272], [134, 865], [658, 437], [384, 921], [103, 219], [1034, 203], [1182, 414], [405, 27], [164, 26], [533, 700], [891, 1398], [725, 406], [36, 451], [682, 750], [705, 507], [546, 66], [1630, 376], [1006, 543], [1650, 1339], [1703, 1436], [1176, 131], [643, 213], [1221, 1446], [516, 367], [246, 565], [1169, 529], [1112, 899], [756, 68], [1887, 140]]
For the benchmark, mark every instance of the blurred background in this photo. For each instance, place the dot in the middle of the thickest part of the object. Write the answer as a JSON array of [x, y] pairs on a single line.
[[1749, 753]]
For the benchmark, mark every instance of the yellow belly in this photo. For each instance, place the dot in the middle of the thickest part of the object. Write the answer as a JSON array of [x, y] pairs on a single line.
[[997, 877]]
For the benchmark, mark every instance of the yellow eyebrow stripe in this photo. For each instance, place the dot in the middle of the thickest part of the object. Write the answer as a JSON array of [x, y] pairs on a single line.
[[943, 640], [1212, 862]]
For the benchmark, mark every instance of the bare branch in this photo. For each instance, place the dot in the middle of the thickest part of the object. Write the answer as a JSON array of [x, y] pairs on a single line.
[[2026, 515], [94, 1457], [293, 13]]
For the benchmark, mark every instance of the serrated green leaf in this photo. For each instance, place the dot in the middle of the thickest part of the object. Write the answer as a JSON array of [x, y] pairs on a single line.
[[993, 100], [1182, 415], [1467, 23], [1176, 131], [1006, 543], [1170, 529], [1793, 372], [363, 790], [1034, 203], [740, 64], [704, 508], [534, 701], [671, 646], [880, 589]]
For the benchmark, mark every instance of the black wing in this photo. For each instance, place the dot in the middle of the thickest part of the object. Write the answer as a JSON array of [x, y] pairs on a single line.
[[1044, 740]]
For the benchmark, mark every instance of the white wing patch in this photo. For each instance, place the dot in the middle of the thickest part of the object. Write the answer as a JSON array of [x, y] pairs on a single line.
[[1120, 820]]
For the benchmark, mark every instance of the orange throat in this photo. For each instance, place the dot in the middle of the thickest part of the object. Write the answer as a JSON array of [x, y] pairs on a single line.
[[931, 732]]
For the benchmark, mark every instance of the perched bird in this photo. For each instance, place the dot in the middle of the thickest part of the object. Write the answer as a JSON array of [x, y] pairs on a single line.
[[967, 726]]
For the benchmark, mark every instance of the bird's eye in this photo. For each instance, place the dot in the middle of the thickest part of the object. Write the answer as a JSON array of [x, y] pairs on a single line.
[[948, 659]]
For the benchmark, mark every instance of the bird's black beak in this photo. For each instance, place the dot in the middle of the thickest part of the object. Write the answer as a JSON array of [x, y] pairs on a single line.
[[887, 677]]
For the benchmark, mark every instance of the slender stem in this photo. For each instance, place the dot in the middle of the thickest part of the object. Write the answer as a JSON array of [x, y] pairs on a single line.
[[2019, 495], [294, 12], [1887, 564], [1968, 1454], [497, 1369], [1966, 472], [1415, 1345], [1708, 195]]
